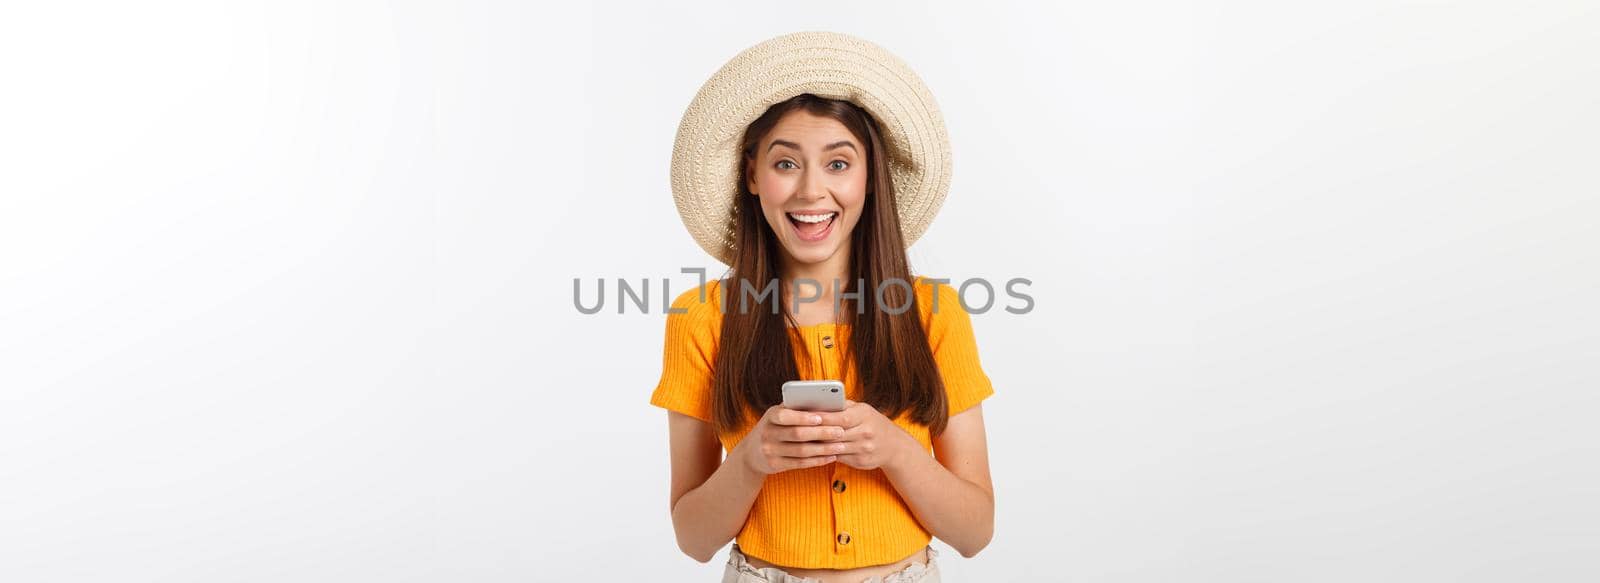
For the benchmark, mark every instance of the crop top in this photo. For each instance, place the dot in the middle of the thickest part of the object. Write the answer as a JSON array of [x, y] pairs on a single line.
[[831, 516]]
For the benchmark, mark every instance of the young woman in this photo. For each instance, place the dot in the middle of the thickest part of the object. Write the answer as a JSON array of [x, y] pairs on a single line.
[[820, 288]]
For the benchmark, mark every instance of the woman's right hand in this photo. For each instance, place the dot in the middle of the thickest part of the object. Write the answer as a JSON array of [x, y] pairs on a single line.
[[787, 439]]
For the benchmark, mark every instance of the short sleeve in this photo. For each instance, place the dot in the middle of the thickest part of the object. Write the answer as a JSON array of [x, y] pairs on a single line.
[[687, 357], [955, 351]]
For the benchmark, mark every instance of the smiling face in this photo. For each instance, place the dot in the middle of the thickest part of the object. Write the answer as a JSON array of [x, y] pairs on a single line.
[[810, 175]]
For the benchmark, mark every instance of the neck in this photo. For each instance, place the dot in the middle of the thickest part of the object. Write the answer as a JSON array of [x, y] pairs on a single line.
[[823, 274]]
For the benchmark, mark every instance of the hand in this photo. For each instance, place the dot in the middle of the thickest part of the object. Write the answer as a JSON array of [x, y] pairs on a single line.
[[787, 439], [870, 439]]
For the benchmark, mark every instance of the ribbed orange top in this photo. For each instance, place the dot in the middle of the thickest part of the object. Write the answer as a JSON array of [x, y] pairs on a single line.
[[832, 516]]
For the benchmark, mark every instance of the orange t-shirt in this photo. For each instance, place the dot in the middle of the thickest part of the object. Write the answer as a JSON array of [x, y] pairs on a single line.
[[831, 516]]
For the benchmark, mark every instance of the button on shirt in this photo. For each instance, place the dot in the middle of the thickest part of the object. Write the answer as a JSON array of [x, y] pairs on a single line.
[[831, 516]]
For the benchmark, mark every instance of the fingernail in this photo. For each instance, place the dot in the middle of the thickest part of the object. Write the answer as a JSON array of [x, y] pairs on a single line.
[[815, 419]]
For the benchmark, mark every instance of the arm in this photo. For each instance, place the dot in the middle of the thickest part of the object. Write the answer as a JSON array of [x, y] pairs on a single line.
[[952, 495], [710, 499]]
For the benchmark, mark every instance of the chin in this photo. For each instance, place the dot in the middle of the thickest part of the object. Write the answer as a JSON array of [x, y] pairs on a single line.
[[812, 256]]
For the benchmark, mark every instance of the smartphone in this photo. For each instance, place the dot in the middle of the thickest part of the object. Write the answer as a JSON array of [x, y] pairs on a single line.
[[814, 395]]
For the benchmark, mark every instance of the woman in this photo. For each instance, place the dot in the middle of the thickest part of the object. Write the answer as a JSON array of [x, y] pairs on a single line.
[[808, 164]]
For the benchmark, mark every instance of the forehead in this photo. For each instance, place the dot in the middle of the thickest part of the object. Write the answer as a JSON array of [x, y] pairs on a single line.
[[812, 132]]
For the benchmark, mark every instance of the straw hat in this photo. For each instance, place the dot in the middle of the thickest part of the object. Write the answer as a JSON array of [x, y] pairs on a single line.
[[706, 156]]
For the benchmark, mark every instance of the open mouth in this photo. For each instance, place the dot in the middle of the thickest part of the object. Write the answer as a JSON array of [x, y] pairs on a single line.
[[812, 226]]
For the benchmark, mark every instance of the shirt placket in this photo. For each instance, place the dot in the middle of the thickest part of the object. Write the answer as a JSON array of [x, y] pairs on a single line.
[[827, 348]]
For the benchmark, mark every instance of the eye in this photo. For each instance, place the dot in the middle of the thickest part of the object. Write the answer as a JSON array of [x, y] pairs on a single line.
[[781, 163], [841, 164]]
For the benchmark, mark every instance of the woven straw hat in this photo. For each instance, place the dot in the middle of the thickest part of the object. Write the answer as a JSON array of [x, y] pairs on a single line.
[[706, 156]]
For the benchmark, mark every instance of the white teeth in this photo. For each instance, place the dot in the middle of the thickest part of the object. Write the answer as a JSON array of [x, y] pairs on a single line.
[[812, 218]]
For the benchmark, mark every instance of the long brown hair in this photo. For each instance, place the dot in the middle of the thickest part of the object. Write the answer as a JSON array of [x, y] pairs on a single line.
[[890, 351]]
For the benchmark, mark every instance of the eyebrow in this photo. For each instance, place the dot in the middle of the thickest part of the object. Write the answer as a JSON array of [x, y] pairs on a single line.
[[838, 144]]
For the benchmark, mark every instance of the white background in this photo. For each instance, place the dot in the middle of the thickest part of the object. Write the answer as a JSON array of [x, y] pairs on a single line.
[[286, 287]]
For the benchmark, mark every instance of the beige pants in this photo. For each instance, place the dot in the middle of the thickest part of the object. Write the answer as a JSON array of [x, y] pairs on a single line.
[[741, 571]]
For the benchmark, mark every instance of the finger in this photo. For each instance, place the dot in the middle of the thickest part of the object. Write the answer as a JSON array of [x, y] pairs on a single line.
[[794, 463], [849, 417], [811, 433], [784, 416], [808, 448], [857, 433]]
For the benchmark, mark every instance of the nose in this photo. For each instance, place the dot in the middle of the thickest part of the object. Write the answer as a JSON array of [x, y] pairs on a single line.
[[810, 187]]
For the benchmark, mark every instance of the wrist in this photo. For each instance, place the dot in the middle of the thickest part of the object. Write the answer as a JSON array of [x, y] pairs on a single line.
[[745, 463], [904, 455]]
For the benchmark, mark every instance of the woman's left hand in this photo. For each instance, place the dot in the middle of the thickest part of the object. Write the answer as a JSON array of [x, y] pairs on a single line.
[[870, 439]]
